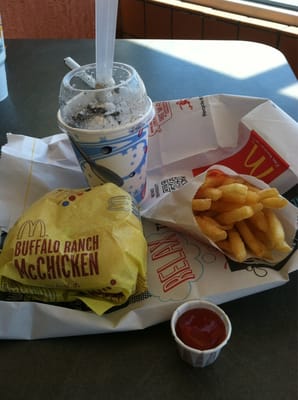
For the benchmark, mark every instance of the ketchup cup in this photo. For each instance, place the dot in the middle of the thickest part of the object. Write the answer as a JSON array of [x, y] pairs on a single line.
[[201, 329]]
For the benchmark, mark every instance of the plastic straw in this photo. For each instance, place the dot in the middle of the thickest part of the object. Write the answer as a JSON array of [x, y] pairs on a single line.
[[106, 19]]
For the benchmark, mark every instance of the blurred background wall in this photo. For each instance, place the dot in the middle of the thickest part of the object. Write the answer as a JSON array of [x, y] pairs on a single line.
[[142, 19]]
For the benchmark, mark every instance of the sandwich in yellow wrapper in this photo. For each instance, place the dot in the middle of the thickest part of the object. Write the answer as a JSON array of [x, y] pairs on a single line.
[[85, 244]]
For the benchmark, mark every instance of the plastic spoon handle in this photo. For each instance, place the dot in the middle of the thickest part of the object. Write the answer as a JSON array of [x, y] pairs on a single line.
[[103, 173]]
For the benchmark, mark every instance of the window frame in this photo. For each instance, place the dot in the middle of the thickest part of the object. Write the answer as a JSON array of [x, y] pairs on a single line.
[[280, 4], [251, 9]]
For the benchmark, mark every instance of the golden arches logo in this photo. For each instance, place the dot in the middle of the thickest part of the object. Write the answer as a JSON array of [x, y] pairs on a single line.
[[253, 166], [32, 229]]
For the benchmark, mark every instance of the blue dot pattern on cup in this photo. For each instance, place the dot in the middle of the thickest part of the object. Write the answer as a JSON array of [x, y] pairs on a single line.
[[120, 160]]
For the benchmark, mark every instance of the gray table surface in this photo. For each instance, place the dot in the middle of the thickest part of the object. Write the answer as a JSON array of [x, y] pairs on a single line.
[[261, 360]]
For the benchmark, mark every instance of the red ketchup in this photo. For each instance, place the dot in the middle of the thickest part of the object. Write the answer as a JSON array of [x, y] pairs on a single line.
[[200, 328]]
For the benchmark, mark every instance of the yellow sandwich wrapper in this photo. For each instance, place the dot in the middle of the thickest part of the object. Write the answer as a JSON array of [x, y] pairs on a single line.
[[85, 244]]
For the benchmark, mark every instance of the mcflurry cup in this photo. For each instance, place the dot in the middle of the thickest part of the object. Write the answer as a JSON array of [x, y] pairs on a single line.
[[108, 126]]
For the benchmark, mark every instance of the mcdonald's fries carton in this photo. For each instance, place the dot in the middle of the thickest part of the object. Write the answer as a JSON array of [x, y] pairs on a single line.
[[252, 137], [238, 214]]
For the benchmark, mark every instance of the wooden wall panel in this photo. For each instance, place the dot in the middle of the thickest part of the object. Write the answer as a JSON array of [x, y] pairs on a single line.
[[131, 18], [158, 21], [186, 25], [288, 45], [48, 19], [215, 28], [266, 36]]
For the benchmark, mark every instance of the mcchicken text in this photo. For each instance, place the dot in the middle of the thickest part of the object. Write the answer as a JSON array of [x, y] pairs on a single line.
[[59, 266], [46, 259]]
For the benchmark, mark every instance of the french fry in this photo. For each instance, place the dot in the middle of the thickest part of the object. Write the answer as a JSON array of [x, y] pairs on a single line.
[[274, 202], [234, 246], [259, 221], [211, 228], [207, 213], [234, 192], [225, 245], [276, 232], [217, 178], [255, 245], [223, 206], [284, 247], [251, 197], [238, 214], [257, 207], [214, 181], [253, 188], [268, 192], [261, 238], [238, 248], [208, 192], [201, 204]]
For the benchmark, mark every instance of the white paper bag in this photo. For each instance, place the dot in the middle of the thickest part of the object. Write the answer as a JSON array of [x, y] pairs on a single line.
[[248, 135], [179, 266], [31, 167]]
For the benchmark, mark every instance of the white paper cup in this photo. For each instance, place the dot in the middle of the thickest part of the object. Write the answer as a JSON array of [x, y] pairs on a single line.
[[194, 356], [3, 79], [116, 153], [3, 82]]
